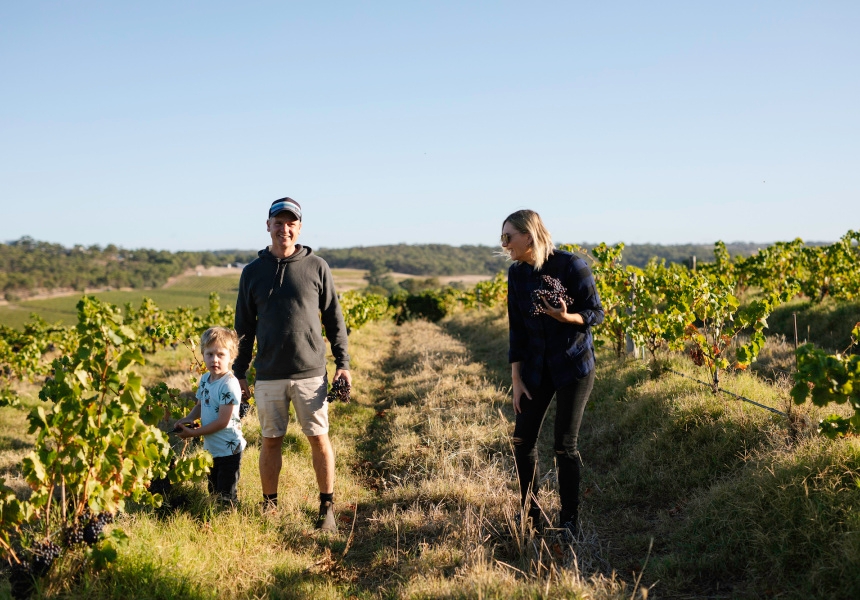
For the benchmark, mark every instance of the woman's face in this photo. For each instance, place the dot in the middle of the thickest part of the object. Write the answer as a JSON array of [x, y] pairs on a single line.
[[518, 244]]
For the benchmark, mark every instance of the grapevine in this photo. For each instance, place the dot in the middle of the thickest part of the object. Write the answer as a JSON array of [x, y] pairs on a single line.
[[97, 445], [613, 286], [830, 378]]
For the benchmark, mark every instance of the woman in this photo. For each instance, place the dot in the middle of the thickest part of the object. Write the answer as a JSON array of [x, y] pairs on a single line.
[[551, 353]]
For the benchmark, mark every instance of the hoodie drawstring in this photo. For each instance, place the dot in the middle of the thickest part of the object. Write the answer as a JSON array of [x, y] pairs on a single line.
[[281, 268]]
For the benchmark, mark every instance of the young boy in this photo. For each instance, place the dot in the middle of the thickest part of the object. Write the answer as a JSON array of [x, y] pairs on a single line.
[[218, 397]]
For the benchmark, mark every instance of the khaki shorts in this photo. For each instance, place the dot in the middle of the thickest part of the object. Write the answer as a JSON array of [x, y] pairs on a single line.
[[309, 401]]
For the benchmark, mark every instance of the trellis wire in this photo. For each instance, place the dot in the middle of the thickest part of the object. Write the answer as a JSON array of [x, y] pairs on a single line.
[[753, 402]]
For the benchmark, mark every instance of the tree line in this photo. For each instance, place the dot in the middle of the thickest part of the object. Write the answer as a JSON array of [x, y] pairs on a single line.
[[441, 259], [27, 264]]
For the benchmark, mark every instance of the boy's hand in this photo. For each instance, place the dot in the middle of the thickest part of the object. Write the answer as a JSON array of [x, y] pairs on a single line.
[[182, 427], [184, 432]]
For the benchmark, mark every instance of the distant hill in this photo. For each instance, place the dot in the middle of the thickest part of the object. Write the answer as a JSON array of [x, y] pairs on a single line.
[[440, 259], [418, 259], [27, 265]]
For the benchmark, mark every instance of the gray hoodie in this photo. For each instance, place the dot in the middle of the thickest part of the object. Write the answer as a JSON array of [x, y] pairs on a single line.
[[281, 303]]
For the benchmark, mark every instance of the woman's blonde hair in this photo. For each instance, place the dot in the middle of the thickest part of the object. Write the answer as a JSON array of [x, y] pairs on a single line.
[[220, 336], [528, 221]]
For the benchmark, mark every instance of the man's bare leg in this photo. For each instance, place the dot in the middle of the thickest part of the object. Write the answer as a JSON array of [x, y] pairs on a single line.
[[323, 460], [270, 464]]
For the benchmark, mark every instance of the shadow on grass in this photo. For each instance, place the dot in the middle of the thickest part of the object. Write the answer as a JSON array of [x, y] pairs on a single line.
[[827, 325], [785, 525], [8, 443], [365, 543], [143, 581], [485, 335]]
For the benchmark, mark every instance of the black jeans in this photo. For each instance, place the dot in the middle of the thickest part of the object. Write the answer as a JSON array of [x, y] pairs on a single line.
[[224, 476], [570, 405]]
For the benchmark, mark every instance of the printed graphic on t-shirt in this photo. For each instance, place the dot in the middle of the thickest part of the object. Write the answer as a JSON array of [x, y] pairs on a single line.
[[212, 396]]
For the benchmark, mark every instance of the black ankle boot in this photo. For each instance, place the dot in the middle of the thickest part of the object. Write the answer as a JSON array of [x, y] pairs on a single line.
[[568, 522], [325, 521]]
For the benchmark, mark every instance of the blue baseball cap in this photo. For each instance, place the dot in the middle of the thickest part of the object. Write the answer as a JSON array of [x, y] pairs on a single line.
[[286, 204]]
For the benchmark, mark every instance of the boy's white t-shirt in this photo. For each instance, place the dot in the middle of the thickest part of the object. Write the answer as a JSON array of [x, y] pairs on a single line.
[[223, 394]]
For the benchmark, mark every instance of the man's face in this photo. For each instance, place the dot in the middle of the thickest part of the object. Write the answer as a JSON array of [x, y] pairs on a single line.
[[284, 229]]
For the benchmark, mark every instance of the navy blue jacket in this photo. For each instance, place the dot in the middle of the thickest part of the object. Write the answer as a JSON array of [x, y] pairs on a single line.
[[540, 342]]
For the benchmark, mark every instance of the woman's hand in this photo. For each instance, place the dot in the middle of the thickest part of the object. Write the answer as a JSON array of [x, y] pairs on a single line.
[[519, 391], [561, 315]]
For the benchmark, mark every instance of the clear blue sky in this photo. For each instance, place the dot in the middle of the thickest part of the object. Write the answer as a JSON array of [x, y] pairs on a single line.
[[175, 124]]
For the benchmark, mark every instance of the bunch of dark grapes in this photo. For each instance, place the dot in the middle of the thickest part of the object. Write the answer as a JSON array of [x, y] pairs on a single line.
[[340, 389], [20, 578], [73, 535], [552, 291], [162, 485], [43, 555], [94, 527], [244, 408], [697, 356]]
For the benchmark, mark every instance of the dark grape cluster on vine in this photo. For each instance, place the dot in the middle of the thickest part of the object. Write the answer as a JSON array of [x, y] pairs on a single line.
[[73, 535], [552, 291], [162, 485], [20, 578], [43, 555], [34, 563], [94, 527], [697, 355], [340, 389]]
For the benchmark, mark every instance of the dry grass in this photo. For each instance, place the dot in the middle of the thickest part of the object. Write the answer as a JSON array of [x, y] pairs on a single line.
[[720, 498], [448, 501]]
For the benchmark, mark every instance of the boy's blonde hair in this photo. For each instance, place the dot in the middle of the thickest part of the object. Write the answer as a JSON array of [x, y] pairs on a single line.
[[528, 221], [221, 336]]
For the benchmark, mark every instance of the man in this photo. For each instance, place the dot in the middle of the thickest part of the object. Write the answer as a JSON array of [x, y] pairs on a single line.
[[282, 295]]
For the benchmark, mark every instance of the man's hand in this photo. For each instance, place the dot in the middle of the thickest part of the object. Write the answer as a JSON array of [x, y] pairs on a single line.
[[246, 391], [340, 374]]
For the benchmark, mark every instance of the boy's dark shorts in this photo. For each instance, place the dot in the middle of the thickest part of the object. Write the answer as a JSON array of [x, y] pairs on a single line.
[[224, 477]]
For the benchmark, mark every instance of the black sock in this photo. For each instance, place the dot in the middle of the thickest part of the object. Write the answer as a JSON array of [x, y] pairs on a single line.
[[326, 497], [271, 499]]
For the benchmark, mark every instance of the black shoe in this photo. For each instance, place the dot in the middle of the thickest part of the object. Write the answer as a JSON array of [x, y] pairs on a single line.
[[569, 526], [325, 521], [569, 530], [534, 519]]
